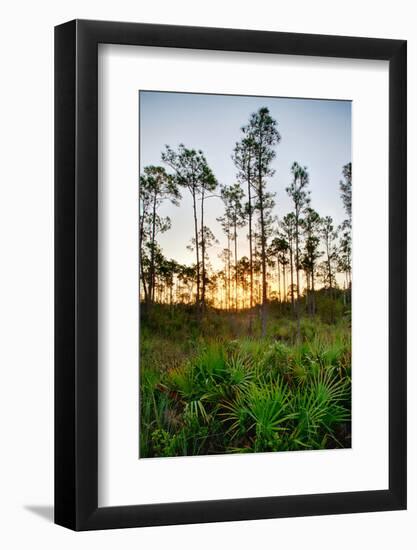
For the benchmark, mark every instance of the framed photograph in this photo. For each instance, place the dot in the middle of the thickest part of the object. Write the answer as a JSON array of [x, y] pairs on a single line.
[[230, 284]]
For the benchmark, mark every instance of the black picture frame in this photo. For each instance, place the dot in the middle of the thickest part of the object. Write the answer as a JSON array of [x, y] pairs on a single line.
[[76, 272]]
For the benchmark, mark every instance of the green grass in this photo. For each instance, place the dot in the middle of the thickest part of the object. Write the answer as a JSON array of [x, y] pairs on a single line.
[[209, 387]]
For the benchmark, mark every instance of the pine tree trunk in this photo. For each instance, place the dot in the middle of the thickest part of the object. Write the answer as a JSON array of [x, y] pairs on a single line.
[[152, 266], [297, 271], [228, 272], [284, 282], [263, 261], [196, 248], [279, 281], [145, 290], [250, 256], [236, 278], [313, 302], [329, 267], [203, 252], [292, 280]]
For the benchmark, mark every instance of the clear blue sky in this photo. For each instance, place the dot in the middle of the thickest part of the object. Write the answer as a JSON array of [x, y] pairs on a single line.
[[315, 133]]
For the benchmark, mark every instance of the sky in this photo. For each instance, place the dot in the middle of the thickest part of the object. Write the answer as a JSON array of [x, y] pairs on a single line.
[[315, 133]]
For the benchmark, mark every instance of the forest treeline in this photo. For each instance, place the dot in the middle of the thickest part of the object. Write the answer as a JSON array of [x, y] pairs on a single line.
[[290, 259]]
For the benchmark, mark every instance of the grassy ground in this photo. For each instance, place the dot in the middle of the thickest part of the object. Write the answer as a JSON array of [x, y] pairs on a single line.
[[211, 386]]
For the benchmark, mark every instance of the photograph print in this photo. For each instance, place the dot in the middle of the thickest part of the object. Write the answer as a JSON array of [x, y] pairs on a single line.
[[245, 274]]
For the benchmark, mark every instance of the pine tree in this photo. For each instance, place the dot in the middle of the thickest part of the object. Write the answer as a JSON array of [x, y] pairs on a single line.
[[193, 172], [264, 136]]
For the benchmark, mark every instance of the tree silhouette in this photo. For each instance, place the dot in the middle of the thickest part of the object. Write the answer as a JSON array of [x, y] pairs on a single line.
[[329, 235], [205, 235], [311, 225], [208, 184], [245, 162], [226, 254], [167, 270], [234, 214], [264, 136], [346, 190], [192, 171], [298, 193], [187, 276], [288, 227], [155, 187], [345, 251], [243, 271]]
